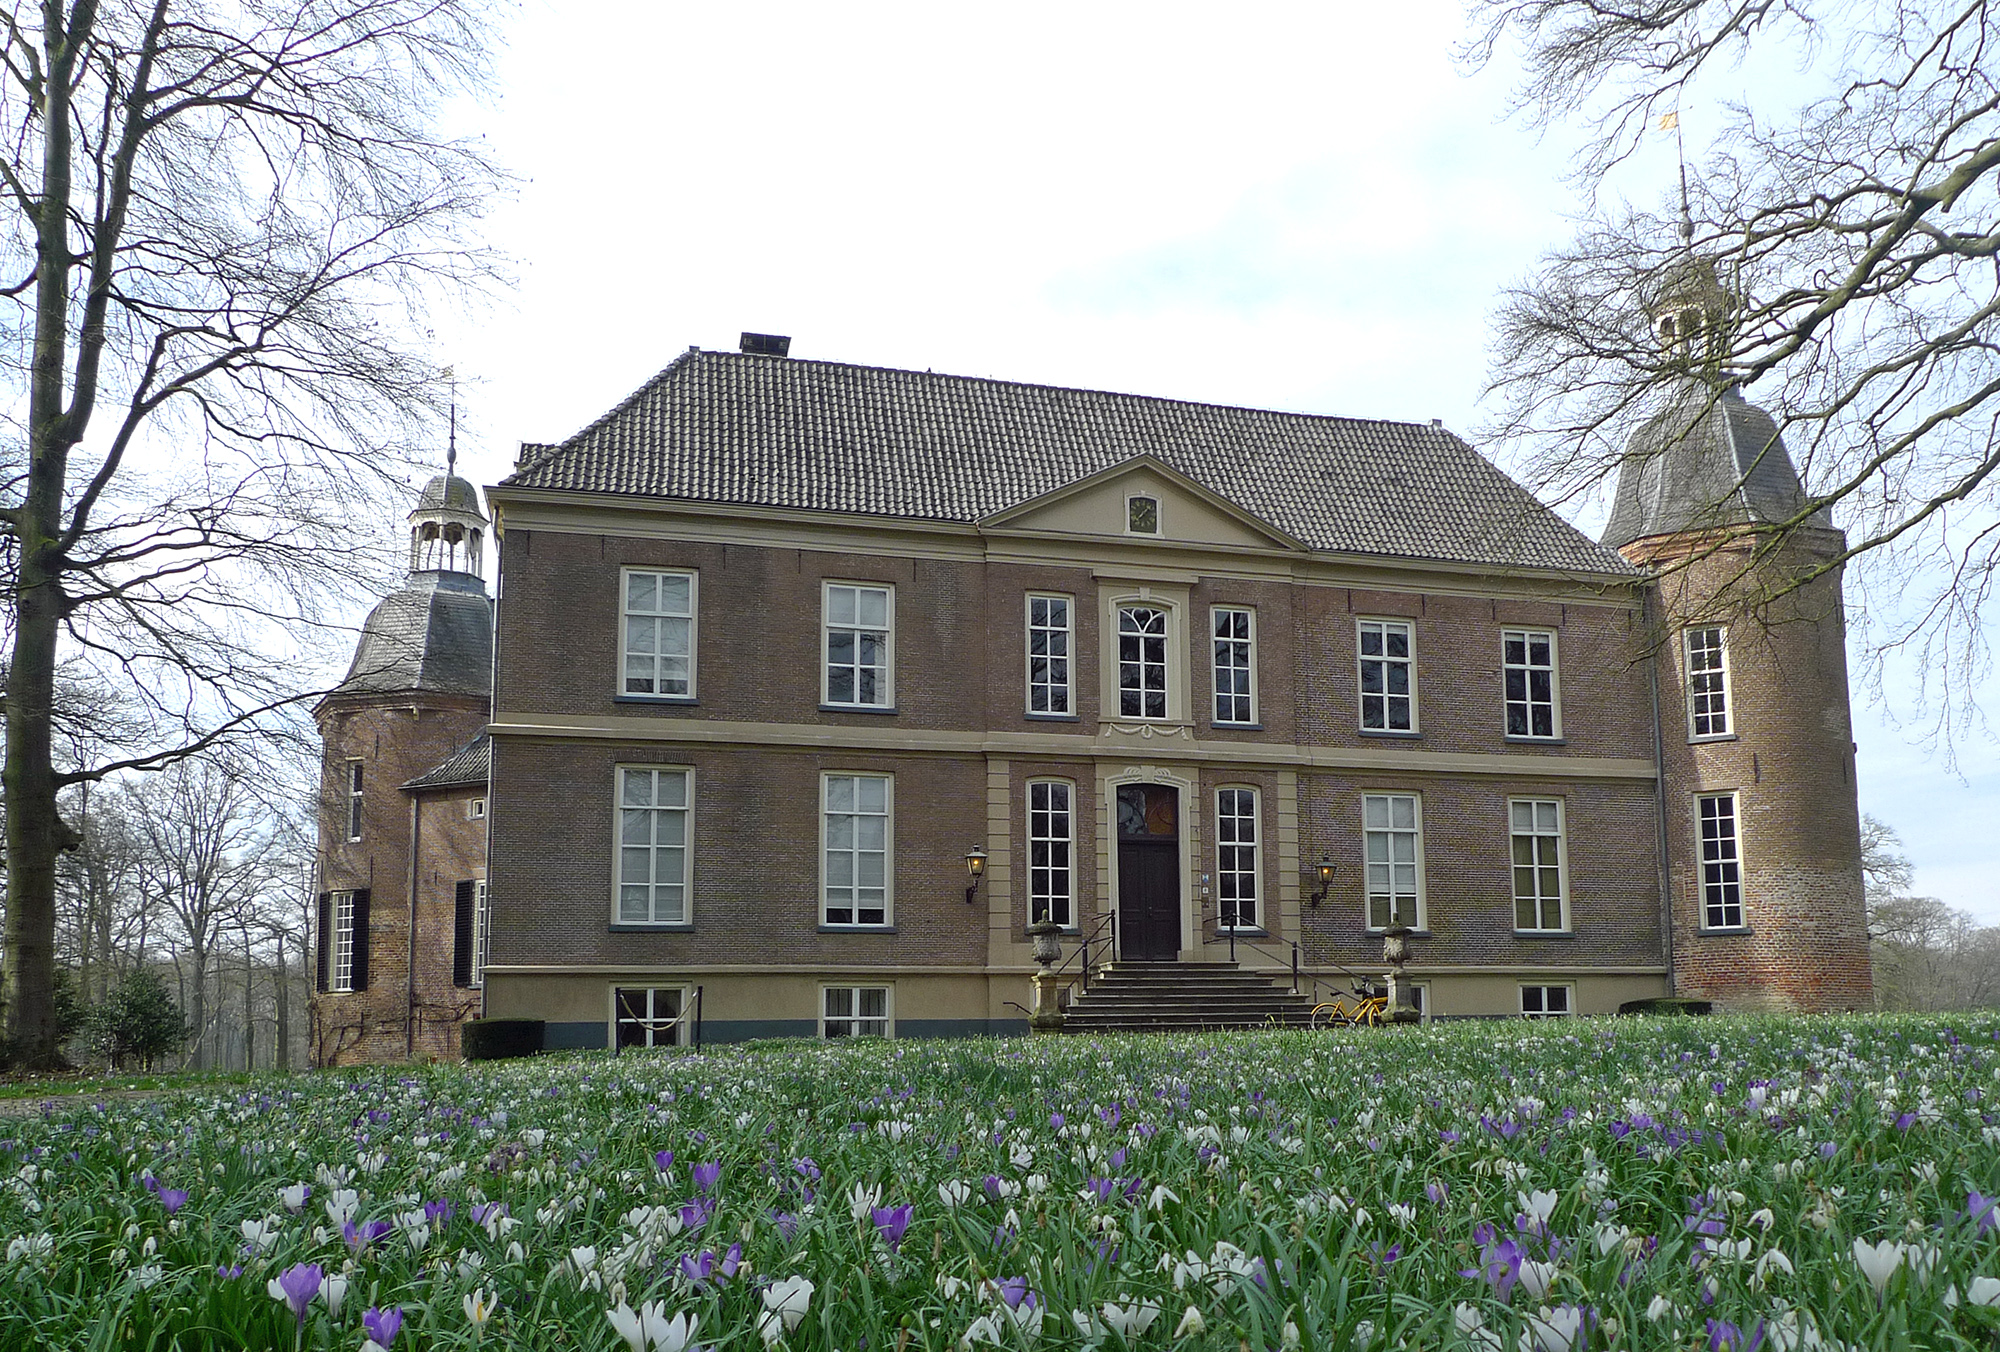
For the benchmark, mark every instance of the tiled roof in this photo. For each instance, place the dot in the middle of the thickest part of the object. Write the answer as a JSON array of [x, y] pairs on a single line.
[[434, 633], [723, 427], [467, 765], [1708, 460]]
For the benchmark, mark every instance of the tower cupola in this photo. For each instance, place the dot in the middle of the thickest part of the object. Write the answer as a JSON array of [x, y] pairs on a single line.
[[447, 527]]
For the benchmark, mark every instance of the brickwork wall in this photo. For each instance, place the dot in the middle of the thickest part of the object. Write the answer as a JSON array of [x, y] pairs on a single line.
[[396, 742], [755, 896], [1791, 764]]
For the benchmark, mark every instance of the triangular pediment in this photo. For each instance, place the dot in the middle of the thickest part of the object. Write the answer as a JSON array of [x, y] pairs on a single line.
[[1189, 513]]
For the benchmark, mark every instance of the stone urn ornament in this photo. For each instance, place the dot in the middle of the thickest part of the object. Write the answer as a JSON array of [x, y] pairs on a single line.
[[1047, 1015], [1395, 953]]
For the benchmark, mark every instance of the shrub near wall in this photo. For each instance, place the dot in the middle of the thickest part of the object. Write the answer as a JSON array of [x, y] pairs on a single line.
[[501, 1039]]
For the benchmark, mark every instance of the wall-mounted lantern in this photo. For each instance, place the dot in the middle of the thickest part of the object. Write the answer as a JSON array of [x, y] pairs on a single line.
[[1324, 870], [975, 869]]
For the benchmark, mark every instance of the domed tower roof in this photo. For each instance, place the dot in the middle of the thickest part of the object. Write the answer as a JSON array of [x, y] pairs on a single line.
[[435, 632], [1711, 459]]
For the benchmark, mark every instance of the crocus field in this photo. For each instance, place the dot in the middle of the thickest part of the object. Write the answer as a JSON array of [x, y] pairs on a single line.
[[1508, 1187]]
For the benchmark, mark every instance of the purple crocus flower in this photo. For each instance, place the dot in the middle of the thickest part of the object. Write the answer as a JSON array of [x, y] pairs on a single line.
[[485, 1213], [1437, 1192], [440, 1212], [1499, 1265], [705, 1176], [1979, 1209], [1906, 1121], [695, 1214], [383, 1325], [663, 1160], [786, 1222], [1724, 1336], [233, 1271], [1101, 1188], [1055, 1121], [1013, 1290], [296, 1286], [892, 1221], [360, 1236], [173, 1199], [992, 1186], [704, 1269]]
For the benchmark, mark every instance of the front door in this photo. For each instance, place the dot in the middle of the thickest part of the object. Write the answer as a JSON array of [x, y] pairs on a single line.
[[1149, 872]]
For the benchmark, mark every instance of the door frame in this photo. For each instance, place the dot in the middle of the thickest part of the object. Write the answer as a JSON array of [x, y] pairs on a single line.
[[1109, 781]]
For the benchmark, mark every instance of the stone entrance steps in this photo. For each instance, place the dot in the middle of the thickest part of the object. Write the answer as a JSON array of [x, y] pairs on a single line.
[[1162, 997]]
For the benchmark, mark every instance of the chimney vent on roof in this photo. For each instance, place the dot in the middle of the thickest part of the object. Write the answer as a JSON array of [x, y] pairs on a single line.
[[767, 344]]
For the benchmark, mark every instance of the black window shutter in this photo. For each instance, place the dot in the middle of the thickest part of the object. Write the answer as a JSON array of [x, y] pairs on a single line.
[[325, 944], [360, 970], [461, 951]]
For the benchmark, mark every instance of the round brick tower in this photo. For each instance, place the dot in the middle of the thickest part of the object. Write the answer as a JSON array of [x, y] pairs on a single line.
[[402, 829], [1759, 812]]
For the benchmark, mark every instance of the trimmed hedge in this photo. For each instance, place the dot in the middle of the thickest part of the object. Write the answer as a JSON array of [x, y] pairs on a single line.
[[1667, 1004], [501, 1039]]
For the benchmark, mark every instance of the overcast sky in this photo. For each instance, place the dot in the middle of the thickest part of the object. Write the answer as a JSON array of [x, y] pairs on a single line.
[[1296, 206]]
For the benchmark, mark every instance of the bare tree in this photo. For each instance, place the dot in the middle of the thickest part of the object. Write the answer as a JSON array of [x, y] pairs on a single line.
[[220, 221], [1854, 239]]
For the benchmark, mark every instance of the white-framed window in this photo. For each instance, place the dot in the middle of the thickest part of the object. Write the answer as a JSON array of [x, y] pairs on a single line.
[[1721, 863], [1235, 631], [1051, 645], [1535, 826], [649, 1016], [1546, 1002], [1236, 845], [1051, 852], [655, 811], [482, 932], [475, 809], [1388, 676], [341, 975], [1534, 706], [1142, 514], [856, 1011], [354, 779], [1420, 998], [1393, 841], [1708, 681], [860, 645], [856, 840], [1142, 661], [657, 645]]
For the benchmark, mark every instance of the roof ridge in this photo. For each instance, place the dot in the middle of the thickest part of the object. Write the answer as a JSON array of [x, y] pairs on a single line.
[[569, 442], [1011, 384]]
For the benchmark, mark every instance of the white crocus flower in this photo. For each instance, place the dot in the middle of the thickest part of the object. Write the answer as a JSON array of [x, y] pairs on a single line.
[[334, 1292], [1772, 1258], [1984, 1291], [1557, 1330], [1661, 1308], [1878, 1262], [148, 1274], [1536, 1278], [293, 1199], [1192, 1325], [628, 1326], [481, 1306], [340, 1207], [785, 1304], [260, 1235], [954, 1192], [862, 1199], [987, 1329], [1132, 1318], [1402, 1213], [1162, 1194], [1539, 1205], [664, 1334]]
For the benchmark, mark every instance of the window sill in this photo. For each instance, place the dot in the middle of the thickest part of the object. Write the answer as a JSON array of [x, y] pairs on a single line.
[[1392, 734], [645, 927], [1544, 934], [857, 708], [857, 929], [1224, 932], [1052, 718], [1718, 737], [1237, 727], [684, 701], [1727, 932], [1414, 934], [1525, 740]]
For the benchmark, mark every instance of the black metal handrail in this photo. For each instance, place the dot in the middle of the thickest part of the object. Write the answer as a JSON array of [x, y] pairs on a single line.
[[1215, 915], [1104, 926]]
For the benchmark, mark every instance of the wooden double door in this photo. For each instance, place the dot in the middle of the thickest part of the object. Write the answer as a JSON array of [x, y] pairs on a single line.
[[1149, 872]]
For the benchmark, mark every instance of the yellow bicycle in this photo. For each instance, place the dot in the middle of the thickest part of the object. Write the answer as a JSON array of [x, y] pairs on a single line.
[[1366, 1011]]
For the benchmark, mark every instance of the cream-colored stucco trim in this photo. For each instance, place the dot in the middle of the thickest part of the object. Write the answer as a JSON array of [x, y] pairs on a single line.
[[612, 970], [1167, 742], [1419, 971], [641, 518]]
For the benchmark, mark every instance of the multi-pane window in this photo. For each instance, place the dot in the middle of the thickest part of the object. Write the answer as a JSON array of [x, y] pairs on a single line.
[[1530, 675], [1392, 828], [1388, 702], [1235, 633], [1708, 682], [653, 809], [482, 933], [1536, 827], [856, 886], [855, 1011], [1236, 858], [659, 633], [650, 1017], [342, 974], [1544, 1002], [1051, 841], [860, 643], [1049, 650], [475, 809], [354, 783], [1142, 662], [1721, 864], [1142, 515]]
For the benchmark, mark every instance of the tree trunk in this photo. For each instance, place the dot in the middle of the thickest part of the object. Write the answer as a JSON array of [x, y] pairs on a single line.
[[282, 995], [249, 1009], [198, 1009]]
